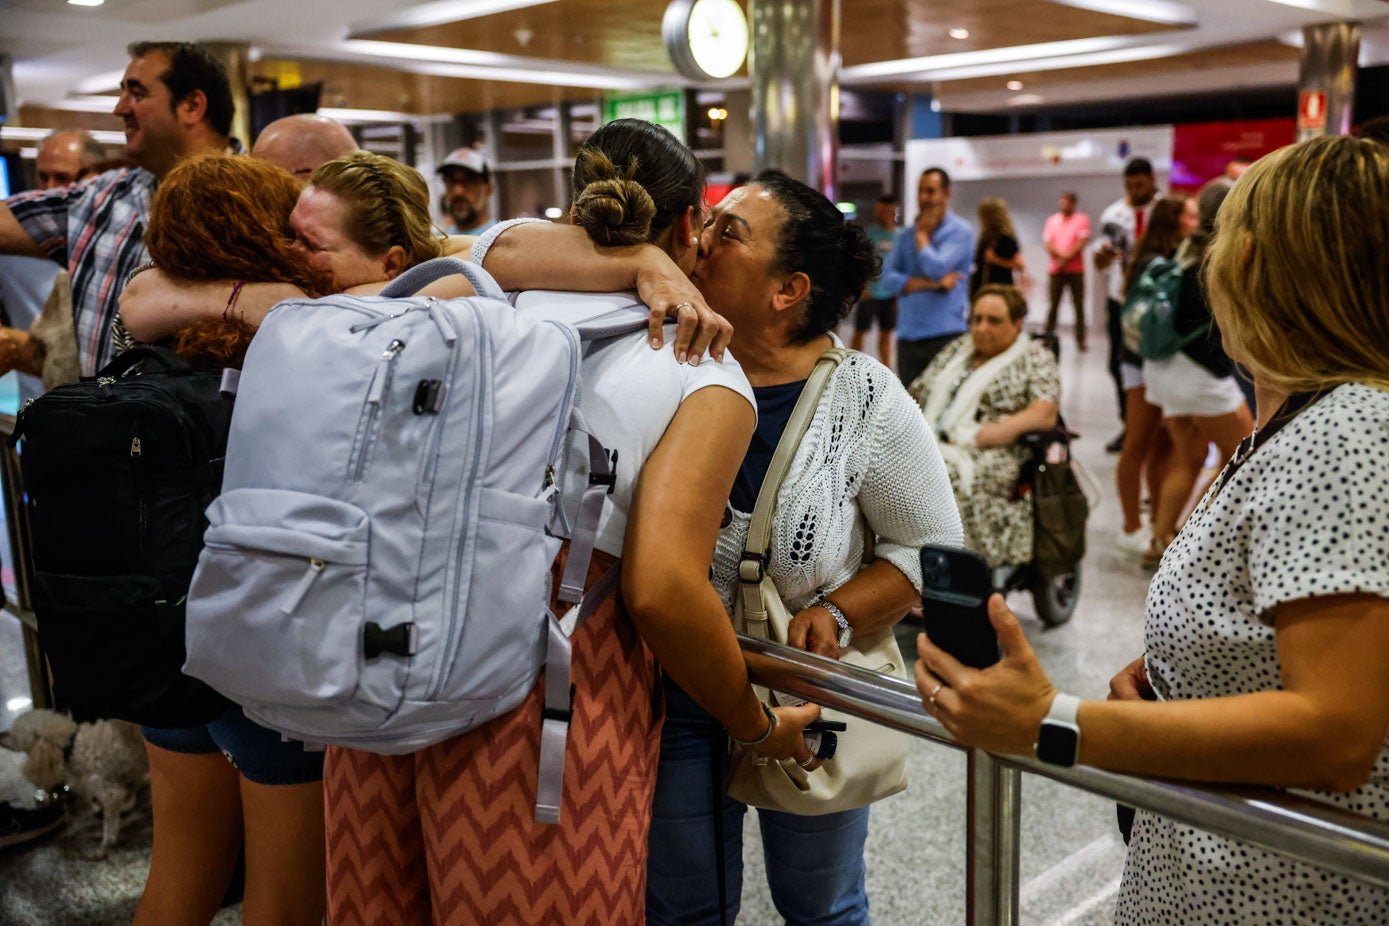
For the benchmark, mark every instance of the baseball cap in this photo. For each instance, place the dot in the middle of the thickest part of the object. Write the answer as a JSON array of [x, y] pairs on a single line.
[[468, 159]]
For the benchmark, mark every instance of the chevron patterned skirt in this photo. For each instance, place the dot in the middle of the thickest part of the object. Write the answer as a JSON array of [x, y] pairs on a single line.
[[447, 836]]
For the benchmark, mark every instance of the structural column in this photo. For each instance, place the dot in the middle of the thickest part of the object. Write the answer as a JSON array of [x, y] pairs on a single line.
[[235, 57], [1326, 79], [794, 66]]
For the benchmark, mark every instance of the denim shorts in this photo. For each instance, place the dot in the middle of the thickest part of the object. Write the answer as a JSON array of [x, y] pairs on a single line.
[[261, 755]]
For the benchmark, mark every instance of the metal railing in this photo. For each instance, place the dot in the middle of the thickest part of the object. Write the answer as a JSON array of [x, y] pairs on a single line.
[[1333, 839]]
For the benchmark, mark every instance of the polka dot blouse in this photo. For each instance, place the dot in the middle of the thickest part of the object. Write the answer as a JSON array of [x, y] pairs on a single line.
[[1306, 515]]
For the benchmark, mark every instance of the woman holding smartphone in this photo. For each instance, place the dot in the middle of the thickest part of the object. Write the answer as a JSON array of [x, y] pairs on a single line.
[[1267, 622]]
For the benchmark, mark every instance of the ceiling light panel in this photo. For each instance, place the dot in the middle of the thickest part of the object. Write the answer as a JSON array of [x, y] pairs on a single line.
[[438, 13]]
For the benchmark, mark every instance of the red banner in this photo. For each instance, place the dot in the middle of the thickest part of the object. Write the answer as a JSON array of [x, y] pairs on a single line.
[[1201, 152]]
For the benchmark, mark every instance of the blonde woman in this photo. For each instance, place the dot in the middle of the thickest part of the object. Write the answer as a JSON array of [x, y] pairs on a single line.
[[1267, 624], [996, 256]]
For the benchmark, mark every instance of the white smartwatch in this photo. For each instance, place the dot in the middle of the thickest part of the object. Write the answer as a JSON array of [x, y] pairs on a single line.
[[846, 631], [1058, 741]]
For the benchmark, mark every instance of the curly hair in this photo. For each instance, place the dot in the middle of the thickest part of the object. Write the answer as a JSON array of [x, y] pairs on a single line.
[[227, 218], [214, 343], [387, 204]]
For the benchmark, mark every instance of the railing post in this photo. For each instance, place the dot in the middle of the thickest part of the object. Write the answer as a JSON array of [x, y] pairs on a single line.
[[993, 841]]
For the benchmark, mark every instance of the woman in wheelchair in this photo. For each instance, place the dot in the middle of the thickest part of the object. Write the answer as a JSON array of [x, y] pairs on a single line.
[[980, 395]]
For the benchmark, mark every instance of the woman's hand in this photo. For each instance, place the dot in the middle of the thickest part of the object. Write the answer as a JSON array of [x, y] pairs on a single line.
[[999, 708], [665, 287], [1131, 684], [991, 435], [814, 630], [788, 740]]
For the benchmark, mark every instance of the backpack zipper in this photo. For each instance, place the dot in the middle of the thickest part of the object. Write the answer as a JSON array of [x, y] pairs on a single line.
[[376, 397], [142, 506], [296, 596], [431, 454], [481, 400]]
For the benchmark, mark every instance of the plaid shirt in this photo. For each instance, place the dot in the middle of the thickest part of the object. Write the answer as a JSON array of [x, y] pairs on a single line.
[[97, 230]]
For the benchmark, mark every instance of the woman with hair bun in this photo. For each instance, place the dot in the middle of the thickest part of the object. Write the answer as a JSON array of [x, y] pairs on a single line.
[[447, 835], [779, 261]]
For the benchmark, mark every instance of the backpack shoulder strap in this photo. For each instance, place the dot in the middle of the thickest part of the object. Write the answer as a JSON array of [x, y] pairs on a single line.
[[422, 274], [594, 316]]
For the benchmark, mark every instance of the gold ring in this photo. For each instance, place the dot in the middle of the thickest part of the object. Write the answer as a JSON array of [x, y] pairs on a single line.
[[935, 691]]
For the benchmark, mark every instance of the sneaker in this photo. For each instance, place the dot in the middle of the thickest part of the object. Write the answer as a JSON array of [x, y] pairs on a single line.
[[21, 824], [1135, 543]]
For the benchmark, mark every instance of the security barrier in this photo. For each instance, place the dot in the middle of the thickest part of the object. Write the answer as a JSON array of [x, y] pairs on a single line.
[[1295, 827]]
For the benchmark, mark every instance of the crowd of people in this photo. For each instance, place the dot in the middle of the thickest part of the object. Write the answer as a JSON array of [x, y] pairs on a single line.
[[1266, 618]]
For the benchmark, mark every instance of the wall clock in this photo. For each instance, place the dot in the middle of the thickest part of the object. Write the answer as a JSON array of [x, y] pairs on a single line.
[[706, 39]]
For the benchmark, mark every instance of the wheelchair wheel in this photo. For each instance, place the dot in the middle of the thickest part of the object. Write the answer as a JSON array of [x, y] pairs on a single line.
[[1055, 596]]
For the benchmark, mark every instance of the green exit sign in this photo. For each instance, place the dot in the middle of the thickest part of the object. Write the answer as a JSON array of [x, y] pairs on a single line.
[[665, 109]]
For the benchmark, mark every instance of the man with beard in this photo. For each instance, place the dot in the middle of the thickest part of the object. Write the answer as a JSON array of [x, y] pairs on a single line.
[[176, 102], [467, 192]]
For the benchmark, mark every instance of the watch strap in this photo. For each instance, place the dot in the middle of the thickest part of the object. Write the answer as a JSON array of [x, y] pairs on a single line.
[[845, 629], [1065, 708]]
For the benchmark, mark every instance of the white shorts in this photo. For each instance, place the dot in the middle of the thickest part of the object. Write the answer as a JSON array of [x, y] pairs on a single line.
[[1183, 388], [1130, 376]]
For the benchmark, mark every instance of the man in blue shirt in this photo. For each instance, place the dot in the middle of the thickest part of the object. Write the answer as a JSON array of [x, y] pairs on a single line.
[[929, 269]]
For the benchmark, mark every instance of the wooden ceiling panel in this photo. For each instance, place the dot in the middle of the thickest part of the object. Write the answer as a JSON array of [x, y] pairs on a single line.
[[616, 33], [889, 30], [361, 86], [627, 33], [1257, 53]]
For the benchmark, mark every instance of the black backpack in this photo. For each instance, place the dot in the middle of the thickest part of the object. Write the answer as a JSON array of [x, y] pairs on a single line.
[[118, 471]]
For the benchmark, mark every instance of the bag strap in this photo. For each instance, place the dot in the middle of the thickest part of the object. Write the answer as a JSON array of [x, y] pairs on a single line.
[[430, 271], [126, 359], [753, 563], [559, 696]]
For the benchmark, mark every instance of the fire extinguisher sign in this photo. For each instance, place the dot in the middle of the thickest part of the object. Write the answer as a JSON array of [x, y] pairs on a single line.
[[1311, 110]]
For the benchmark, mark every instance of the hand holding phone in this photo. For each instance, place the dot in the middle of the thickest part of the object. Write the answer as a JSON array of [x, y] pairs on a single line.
[[822, 737], [955, 587]]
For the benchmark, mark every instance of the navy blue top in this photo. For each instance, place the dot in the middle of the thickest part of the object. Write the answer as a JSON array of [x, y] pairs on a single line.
[[774, 407]]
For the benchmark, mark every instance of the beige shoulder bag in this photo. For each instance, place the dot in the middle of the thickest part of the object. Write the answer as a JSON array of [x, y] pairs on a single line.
[[870, 762]]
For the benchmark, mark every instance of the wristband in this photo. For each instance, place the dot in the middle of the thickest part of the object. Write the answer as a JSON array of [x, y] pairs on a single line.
[[771, 728], [231, 301]]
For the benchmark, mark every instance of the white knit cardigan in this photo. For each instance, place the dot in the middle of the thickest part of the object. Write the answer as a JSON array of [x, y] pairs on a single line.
[[867, 450]]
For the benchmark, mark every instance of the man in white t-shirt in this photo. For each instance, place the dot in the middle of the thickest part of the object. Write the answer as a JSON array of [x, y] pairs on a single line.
[[1121, 225]]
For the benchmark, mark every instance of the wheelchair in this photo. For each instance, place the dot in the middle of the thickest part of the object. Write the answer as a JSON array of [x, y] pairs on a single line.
[[1060, 512]]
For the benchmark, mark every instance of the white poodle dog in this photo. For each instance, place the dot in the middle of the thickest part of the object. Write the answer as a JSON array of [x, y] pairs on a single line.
[[103, 762]]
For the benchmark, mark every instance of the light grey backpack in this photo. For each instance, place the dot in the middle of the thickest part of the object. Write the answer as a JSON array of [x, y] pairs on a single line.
[[376, 573]]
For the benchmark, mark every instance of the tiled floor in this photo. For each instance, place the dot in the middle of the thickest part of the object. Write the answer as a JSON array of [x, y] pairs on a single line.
[[1071, 853]]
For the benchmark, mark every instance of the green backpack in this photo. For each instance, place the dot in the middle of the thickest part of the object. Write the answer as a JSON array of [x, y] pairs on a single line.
[[1149, 315]]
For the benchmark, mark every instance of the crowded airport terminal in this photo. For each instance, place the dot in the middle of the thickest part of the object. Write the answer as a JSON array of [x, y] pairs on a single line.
[[694, 462]]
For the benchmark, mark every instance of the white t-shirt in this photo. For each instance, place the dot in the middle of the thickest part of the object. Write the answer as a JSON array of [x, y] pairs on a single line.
[[630, 394], [1116, 226], [1306, 515]]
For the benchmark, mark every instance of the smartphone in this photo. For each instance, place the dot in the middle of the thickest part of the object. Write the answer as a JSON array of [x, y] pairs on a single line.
[[955, 587]]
